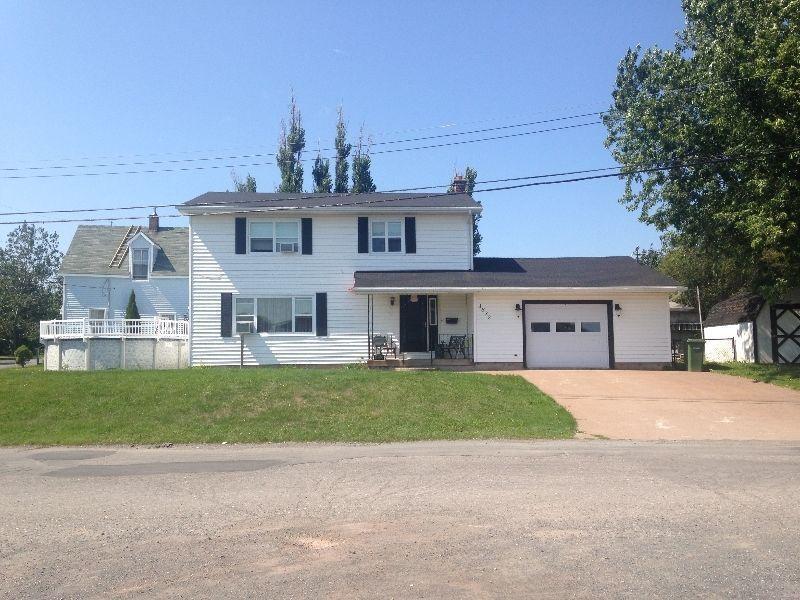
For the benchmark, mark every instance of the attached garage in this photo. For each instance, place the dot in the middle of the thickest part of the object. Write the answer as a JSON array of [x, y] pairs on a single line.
[[545, 313], [571, 334]]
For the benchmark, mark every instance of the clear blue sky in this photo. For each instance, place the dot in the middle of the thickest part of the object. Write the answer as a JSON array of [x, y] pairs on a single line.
[[149, 81]]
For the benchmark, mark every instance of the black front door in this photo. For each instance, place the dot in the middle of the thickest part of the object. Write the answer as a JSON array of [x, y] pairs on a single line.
[[413, 324]]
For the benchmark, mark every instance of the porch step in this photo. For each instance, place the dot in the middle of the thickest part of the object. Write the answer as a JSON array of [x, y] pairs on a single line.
[[388, 363], [418, 363]]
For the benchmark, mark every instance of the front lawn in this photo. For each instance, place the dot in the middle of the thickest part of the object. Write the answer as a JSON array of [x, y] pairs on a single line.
[[270, 405], [784, 375]]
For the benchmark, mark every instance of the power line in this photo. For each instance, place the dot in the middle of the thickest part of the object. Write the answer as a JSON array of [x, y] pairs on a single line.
[[396, 131], [331, 197], [255, 164], [268, 154], [330, 200]]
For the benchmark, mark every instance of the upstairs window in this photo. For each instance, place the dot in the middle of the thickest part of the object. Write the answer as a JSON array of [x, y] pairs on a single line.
[[140, 259], [274, 236], [387, 236]]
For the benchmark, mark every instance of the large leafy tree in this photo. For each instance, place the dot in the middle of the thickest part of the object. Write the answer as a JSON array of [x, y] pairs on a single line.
[[722, 110], [717, 278], [29, 286], [322, 175], [290, 150], [342, 152], [362, 165]]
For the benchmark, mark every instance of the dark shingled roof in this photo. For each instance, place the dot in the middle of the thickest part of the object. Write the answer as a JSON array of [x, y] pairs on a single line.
[[595, 271], [93, 247], [742, 307], [247, 200]]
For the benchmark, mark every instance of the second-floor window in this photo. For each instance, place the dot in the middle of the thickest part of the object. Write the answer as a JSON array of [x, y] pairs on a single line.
[[387, 236], [274, 236], [140, 259]]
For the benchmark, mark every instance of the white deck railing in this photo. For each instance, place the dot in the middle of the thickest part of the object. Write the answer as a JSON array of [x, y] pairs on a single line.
[[153, 327]]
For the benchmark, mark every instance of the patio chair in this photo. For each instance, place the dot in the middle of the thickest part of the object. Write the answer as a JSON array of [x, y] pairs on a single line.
[[382, 345], [457, 344]]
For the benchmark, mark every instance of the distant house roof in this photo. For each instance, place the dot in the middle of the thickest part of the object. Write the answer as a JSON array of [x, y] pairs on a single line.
[[93, 247], [742, 307], [580, 272], [365, 201]]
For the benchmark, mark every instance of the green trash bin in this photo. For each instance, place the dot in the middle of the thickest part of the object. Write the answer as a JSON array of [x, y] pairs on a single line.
[[695, 349]]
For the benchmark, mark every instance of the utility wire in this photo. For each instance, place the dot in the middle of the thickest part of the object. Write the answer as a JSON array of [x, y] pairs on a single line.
[[267, 154], [255, 164], [332, 197], [331, 200], [396, 131]]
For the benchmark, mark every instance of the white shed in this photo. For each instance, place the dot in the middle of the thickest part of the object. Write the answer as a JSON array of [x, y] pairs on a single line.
[[748, 328]]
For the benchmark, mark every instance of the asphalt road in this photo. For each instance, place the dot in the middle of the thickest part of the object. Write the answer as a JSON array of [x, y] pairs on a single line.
[[446, 520]]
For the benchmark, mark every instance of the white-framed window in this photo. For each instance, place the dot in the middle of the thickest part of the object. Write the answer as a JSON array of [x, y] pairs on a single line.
[[274, 236], [140, 263], [97, 313], [280, 314], [433, 313], [386, 236], [169, 316]]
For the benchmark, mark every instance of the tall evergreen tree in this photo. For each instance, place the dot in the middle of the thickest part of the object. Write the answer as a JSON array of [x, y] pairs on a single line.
[[468, 181], [290, 151], [132, 311], [322, 175], [362, 177], [342, 152], [248, 185]]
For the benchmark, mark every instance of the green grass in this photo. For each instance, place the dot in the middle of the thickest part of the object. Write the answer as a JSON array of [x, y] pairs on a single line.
[[784, 375], [270, 405]]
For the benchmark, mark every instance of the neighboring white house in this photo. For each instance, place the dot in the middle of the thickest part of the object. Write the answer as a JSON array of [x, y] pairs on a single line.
[[101, 268], [747, 328], [311, 279]]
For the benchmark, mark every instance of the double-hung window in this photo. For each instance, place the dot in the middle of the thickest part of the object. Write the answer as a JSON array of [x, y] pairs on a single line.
[[275, 315], [274, 236], [387, 236], [140, 257]]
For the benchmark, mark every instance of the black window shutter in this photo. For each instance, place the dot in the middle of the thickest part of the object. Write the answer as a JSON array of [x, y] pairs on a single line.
[[411, 235], [322, 314], [363, 235], [226, 315], [241, 235], [305, 230]]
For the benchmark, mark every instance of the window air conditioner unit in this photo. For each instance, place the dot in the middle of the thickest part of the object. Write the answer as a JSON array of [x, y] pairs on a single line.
[[287, 248]]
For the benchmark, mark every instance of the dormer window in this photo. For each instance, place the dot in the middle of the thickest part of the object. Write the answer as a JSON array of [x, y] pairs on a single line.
[[140, 263]]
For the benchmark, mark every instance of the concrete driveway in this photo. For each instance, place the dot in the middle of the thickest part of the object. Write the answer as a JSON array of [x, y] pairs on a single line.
[[567, 519], [672, 405]]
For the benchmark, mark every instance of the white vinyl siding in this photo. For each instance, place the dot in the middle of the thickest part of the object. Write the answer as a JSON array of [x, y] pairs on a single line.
[[443, 242], [641, 331], [153, 296]]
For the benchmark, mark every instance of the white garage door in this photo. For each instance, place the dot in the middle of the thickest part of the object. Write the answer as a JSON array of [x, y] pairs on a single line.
[[566, 336]]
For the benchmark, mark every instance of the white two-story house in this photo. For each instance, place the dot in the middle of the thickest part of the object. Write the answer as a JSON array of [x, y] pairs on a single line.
[[330, 279]]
